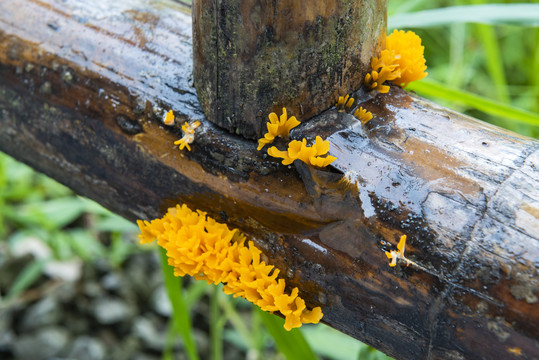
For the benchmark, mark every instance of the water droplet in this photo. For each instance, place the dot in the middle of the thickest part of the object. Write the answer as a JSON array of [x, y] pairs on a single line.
[[67, 76]]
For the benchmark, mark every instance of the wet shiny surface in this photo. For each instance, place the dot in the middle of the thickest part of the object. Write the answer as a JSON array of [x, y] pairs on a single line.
[[83, 91]]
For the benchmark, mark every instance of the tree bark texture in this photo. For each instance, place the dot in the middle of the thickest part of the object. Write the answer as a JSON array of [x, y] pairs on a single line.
[[252, 57], [83, 89]]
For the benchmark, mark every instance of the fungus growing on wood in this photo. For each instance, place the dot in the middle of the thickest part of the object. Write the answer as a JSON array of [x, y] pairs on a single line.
[[363, 115], [311, 155], [199, 246], [383, 69], [401, 62], [344, 103], [394, 255], [277, 127], [409, 56], [168, 119], [188, 135]]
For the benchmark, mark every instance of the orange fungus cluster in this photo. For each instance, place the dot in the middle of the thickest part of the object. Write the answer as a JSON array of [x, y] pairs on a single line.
[[311, 155], [198, 246], [401, 62], [277, 126], [297, 150]]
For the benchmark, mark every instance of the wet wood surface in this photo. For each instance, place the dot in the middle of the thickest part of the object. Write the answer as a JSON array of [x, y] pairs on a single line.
[[84, 87], [253, 57]]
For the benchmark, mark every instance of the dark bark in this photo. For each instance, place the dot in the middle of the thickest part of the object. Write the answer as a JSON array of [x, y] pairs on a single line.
[[82, 94], [253, 57]]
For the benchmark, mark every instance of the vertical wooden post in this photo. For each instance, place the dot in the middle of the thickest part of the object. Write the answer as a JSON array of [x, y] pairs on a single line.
[[252, 57]]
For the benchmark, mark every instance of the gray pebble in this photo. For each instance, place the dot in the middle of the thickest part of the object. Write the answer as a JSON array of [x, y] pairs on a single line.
[[110, 310], [146, 331], [46, 343], [87, 348], [161, 302], [45, 312]]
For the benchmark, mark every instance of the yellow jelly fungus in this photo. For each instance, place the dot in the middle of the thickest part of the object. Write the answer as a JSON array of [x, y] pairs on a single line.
[[344, 103], [198, 246], [515, 351], [395, 255], [363, 115], [311, 155], [383, 69], [410, 57], [401, 62], [188, 135], [169, 118], [277, 127]]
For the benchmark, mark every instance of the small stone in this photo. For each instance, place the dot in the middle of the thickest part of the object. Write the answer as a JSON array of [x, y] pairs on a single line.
[[45, 312], [109, 310], [65, 270], [7, 339], [146, 357], [31, 245], [66, 293], [111, 281], [87, 348], [92, 289], [129, 345], [145, 330], [48, 342], [160, 302]]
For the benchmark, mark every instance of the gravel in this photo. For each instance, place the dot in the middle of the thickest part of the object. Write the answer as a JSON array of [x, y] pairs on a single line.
[[108, 313]]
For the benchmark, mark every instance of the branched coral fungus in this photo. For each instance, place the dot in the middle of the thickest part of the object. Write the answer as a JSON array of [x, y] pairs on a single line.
[[188, 135], [401, 62], [311, 155], [199, 246], [277, 127]]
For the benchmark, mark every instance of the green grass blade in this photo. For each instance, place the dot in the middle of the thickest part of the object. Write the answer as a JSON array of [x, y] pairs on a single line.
[[535, 71], [25, 279], [457, 67], [237, 322], [196, 290], [335, 345], [515, 14], [181, 317], [494, 60], [430, 88], [216, 326], [291, 343], [168, 350]]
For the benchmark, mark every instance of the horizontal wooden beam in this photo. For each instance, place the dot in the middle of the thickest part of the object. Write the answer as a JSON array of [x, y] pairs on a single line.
[[83, 88]]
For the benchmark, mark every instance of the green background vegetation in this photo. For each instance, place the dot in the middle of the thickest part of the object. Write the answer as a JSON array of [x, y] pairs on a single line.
[[489, 70]]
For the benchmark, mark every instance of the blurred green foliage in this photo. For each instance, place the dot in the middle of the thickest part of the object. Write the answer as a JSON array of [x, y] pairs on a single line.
[[488, 69]]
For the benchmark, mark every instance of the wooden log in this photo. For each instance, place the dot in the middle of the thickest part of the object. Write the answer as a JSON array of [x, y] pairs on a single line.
[[253, 57], [83, 89]]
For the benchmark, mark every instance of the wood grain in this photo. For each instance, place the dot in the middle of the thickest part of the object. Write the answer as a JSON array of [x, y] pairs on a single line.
[[252, 57]]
